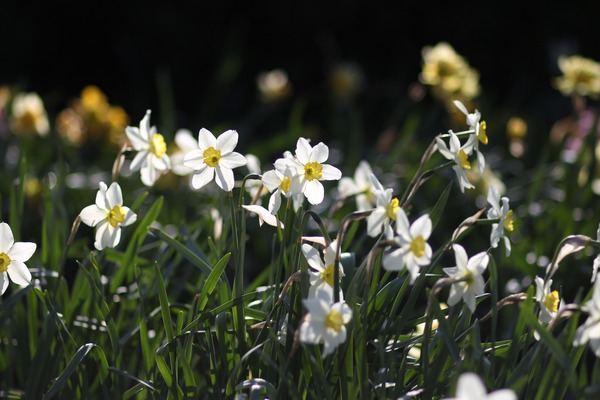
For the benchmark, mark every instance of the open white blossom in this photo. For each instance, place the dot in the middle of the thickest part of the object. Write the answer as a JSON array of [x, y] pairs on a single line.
[[360, 186], [548, 301], [385, 211], [108, 215], [470, 271], [479, 134], [470, 387], [590, 330], [460, 155], [307, 170], [325, 322], [214, 158], [151, 159], [322, 273], [278, 184], [505, 216], [413, 251], [12, 259]]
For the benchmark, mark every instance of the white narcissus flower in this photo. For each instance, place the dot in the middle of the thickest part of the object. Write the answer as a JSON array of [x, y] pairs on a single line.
[[108, 215], [548, 301], [325, 322], [322, 275], [278, 184], [264, 216], [590, 330], [385, 211], [307, 170], [470, 271], [505, 216], [479, 131], [12, 259], [152, 158], [361, 186], [215, 158], [470, 387], [460, 155], [413, 251]]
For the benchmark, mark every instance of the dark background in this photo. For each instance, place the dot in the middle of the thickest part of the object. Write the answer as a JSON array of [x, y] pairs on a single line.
[[202, 58]]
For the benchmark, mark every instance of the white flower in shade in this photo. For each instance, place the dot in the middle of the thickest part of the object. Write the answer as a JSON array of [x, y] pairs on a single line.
[[12, 259], [278, 184], [460, 155], [469, 271], [307, 170], [264, 216], [479, 134], [470, 387], [322, 274], [385, 211], [29, 115], [590, 330], [185, 142], [413, 251], [325, 322], [151, 159], [505, 216], [215, 158], [548, 301], [361, 186], [108, 215]]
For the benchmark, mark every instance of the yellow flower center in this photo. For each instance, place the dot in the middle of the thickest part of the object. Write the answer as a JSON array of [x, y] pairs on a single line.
[[328, 274], [285, 184], [508, 221], [212, 157], [463, 158], [392, 208], [334, 321], [552, 301], [115, 216], [158, 147], [417, 246], [446, 68], [4, 262], [482, 136], [313, 170]]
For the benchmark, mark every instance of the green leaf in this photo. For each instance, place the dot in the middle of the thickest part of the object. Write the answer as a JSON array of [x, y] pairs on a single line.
[[202, 264], [211, 281]]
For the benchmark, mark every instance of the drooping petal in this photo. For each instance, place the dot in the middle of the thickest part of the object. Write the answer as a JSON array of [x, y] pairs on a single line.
[[3, 282], [111, 237], [264, 215], [6, 238], [303, 151], [232, 160], [19, 273], [206, 139], [139, 160], [274, 202], [227, 141], [320, 153], [224, 178], [100, 230], [312, 257], [92, 215], [203, 177], [443, 149], [309, 333], [330, 173], [314, 192], [21, 251], [148, 175]]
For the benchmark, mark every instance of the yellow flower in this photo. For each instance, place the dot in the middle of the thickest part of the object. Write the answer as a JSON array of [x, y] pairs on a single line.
[[446, 70], [29, 115], [581, 76]]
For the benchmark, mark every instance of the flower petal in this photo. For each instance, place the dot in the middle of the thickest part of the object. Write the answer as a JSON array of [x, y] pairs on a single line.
[[224, 178], [330, 173], [114, 196], [92, 215], [320, 153], [21, 251], [130, 216], [461, 257], [232, 160], [101, 196], [6, 238], [421, 227], [206, 139], [312, 257], [3, 282], [19, 273], [203, 177], [303, 151], [227, 141], [185, 141], [139, 160], [314, 192], [272, 179]]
